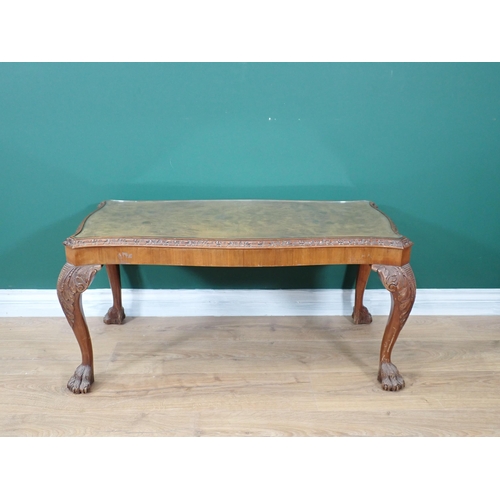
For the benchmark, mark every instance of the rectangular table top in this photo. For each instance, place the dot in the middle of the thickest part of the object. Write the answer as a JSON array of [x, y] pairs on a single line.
[[237, 233], [237, 220]]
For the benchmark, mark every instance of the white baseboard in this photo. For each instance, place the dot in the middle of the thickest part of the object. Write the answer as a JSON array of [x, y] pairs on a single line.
[[445, 302]]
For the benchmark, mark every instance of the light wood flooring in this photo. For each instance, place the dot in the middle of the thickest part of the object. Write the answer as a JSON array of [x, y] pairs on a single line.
[[253, 376]]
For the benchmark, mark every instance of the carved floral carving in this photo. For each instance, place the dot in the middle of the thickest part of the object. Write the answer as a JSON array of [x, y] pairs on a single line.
[[401, 243], [73, 281], [400, 281]]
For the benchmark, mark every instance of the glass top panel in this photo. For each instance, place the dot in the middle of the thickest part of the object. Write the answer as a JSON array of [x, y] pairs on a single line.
[[236, 219]]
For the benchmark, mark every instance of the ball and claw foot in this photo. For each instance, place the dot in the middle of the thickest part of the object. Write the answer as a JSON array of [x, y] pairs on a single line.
[[114, 316], [362, 317], [81, 381], [390, 378]]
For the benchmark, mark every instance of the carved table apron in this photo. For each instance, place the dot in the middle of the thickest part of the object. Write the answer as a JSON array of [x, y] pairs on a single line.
[[237, 233]]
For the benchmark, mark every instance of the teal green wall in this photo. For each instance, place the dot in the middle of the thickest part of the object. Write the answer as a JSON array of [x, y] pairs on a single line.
[[421, 140]]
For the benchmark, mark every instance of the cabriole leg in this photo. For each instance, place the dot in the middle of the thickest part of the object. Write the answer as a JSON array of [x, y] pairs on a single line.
[[400, 282], [116, 313], [360, 314], [72, 282]]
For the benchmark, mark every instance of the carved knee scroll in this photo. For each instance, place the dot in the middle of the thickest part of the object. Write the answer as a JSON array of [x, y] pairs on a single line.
[[400, 282], [72, 282]]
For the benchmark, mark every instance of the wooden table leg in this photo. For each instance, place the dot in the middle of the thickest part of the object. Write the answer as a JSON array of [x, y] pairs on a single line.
[[360, 314], [72, 282], [400, 282], [116, 313]]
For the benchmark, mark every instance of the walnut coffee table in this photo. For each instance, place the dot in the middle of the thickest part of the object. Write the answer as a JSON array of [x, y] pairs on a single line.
[[237, 233]]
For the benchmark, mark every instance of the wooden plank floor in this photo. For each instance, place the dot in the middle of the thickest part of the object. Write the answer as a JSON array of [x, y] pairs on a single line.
[[269, 376]]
